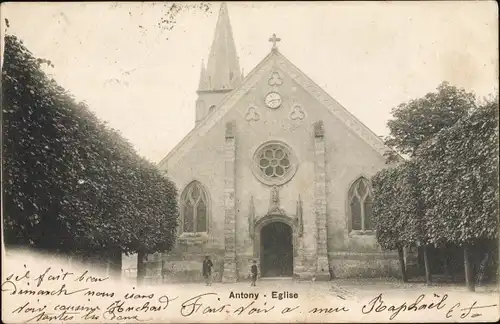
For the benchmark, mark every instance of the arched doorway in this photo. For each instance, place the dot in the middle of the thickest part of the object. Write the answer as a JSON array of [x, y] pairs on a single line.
[[276, 250]]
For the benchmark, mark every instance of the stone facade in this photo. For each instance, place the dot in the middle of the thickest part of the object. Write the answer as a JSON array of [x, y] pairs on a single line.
[[320, 198], [327, 150], [329, 160], [230, 270]]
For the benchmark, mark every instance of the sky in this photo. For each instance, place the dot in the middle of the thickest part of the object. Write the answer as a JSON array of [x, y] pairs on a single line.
[[140, 74]]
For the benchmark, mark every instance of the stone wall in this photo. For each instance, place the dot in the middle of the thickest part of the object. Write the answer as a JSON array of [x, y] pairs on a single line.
[[188, 269], [342, 265], [363, 265]]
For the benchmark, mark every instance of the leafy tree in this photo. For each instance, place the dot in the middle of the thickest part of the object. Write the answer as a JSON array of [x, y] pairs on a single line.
[[418, 120], [452, 170], [397, 210], [459, 176], [71, 184]]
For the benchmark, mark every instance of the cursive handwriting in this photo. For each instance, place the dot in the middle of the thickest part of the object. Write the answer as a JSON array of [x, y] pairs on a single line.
[[11, 287], [62, 316], [253, 310], [30, 288], [378, 305], [52, 275], [328, 310], [466, 312], [121, 310], [194, 304], [85, 277], [25, 309]]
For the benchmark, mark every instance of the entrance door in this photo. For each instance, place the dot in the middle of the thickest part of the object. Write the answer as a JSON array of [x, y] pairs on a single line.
[[276, 256]]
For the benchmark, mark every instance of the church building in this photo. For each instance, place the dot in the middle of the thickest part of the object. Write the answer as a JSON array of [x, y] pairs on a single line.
[[276, 171]]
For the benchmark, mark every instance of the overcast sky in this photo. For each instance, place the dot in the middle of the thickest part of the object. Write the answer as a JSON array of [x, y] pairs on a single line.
[[141, 77]]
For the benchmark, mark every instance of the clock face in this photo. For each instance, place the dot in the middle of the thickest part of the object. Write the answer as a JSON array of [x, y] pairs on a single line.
[[273, 100]]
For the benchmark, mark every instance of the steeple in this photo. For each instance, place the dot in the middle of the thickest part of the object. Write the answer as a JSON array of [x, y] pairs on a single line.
[[223, 68], [203, 77], [222, 73]]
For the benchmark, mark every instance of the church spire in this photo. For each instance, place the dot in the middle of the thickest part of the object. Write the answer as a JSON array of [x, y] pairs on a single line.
[[223, 68], [203, 77]]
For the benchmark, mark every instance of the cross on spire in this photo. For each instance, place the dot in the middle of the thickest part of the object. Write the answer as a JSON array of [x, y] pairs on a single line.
[[274, 40]]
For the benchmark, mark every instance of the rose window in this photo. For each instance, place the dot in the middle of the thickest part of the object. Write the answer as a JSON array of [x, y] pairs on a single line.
[[274, 163]]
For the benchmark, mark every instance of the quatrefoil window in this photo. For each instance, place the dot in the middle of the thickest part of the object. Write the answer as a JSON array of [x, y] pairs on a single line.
[[274, 163]]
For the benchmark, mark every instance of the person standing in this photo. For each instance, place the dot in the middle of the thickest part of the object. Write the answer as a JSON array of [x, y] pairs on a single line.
[[253, 270], [207, 270]]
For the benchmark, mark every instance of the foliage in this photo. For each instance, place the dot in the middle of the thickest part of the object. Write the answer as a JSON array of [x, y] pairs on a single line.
[[397, 210], [70, 182], [459, 176], [418, 120], [447, 192], [385, 216]]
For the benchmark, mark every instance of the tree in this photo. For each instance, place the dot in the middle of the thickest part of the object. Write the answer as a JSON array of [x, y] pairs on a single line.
[[397, 209], [418, 120], [459, 176], [414, 125], [71, 184]]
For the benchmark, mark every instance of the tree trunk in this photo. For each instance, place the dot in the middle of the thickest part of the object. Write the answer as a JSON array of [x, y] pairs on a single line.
[[141, 267], [449, 266], [402, 265], [481, 273], [447, 254], [428, 276], [118, 265], [163, 271], [469, 269]]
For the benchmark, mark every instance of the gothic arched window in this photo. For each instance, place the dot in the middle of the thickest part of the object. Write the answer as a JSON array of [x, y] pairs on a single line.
[[194, 208], [360, 203]]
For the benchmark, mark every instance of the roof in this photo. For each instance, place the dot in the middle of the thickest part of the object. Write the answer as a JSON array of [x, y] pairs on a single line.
[[223, 68], [274, 58]]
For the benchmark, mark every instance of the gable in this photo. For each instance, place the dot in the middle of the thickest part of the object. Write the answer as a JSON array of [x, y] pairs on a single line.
[[261, 71]]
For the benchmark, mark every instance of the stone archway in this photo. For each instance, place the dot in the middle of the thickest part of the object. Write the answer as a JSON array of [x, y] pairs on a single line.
[[275, 245]]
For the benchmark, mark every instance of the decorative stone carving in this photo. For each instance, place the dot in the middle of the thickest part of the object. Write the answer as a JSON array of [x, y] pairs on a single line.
[[319, 130], [252, 115], [297, 113], [275, 198], [275, 80], [230, 129], [251, 219], [274, 202]]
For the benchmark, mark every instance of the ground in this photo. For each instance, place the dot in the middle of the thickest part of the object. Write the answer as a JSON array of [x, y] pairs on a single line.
[[363, 300], [44, 289]]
